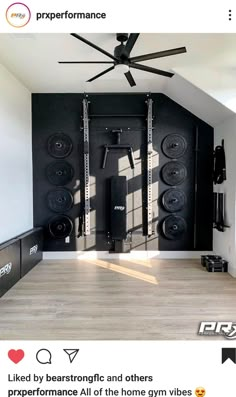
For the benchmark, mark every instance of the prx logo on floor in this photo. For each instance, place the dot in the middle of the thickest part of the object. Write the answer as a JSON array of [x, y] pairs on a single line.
[[216, 328]]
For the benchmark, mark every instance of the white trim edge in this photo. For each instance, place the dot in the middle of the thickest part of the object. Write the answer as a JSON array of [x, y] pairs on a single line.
[[133, 254]]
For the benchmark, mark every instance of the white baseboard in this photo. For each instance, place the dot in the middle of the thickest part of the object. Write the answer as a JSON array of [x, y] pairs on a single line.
[[232, 271], [77, 255], [133, 254]]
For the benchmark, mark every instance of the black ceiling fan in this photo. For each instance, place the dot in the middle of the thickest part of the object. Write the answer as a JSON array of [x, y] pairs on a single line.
[[122, 60]]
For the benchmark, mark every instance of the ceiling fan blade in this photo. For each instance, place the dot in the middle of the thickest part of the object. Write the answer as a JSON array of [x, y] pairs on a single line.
[[129, 45], [100, 74], [90, 62], [160, 54], [93, 46], [130, 79], [151, 70]]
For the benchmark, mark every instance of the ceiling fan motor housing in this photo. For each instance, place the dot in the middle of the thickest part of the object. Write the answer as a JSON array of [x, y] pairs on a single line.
[[118, 50], [122, 37]]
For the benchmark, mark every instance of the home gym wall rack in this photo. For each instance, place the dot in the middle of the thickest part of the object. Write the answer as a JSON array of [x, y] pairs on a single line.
[[128, 148], [149, 197]]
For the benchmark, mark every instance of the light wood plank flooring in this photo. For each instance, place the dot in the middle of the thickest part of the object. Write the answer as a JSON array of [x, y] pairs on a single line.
[[124, 300]]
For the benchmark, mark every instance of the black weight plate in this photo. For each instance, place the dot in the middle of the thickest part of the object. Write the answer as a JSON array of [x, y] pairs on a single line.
[[60, 227], [174, 146], [60, 200], [60, 173], [59, 146], [174, 227], [174, 173], [173, 200]]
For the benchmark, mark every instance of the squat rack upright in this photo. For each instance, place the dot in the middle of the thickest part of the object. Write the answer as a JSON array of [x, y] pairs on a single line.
[[87, 168]]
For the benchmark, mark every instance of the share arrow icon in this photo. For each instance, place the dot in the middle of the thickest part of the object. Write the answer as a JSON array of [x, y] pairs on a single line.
[[72, 353]]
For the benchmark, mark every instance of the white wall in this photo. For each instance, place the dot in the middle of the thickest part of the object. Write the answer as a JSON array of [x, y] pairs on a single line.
[[224, 243], [196, 101], [16, 204]]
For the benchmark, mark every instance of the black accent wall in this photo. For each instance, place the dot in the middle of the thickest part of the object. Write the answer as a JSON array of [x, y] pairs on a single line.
[[62, 113]]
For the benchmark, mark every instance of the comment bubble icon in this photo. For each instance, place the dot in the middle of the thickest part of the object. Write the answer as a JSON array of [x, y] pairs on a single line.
[[44, 356]]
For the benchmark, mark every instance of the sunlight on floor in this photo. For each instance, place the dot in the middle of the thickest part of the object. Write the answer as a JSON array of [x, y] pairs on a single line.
[[140, 262], [123, 270]]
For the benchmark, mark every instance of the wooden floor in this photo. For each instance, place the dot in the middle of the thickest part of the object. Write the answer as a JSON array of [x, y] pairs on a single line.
[[124, 300]]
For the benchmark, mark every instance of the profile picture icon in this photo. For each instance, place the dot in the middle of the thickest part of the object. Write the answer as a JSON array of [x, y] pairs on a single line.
[[18, 15]]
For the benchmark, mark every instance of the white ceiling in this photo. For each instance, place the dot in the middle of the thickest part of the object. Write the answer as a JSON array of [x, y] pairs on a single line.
[[209, 64]]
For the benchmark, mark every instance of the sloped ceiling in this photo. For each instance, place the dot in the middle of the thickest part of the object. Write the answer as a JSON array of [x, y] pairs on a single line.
[[197, 101], [206, 72]]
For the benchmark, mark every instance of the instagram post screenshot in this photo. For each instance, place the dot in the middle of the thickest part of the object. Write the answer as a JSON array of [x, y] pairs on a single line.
[[117, 198]]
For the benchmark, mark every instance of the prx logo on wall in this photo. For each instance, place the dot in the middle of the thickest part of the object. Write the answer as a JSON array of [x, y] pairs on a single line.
[[216, 328], [6, 269], [18, 15], [33, 250]]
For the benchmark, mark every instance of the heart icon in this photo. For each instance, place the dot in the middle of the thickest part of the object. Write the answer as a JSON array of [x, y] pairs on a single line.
[[16, 355]]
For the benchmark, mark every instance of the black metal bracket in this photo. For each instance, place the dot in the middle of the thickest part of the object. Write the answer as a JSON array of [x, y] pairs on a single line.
[[128, 148], [119, 146]]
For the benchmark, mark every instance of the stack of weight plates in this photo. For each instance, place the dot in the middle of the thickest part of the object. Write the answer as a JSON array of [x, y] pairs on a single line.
[[174, 174], [60, 173]]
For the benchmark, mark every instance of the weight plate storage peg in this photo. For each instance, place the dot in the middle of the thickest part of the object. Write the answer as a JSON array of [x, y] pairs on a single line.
[[60, 173], [174, 146], [174, 227], [174, 173], [60, 227], [60, 200], [173, 200], [59, 145]]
